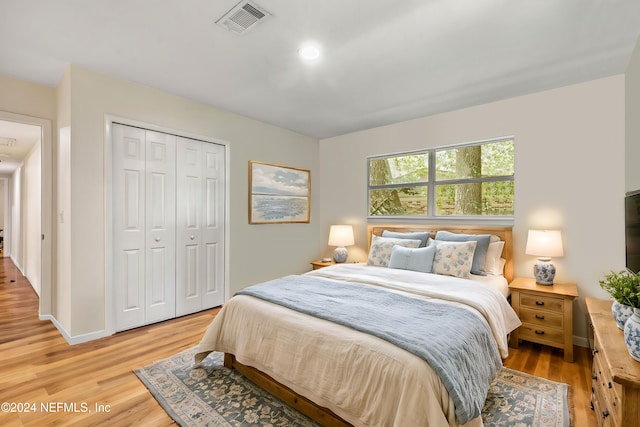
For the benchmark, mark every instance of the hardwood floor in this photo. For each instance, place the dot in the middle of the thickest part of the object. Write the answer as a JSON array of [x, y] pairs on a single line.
[[38, 367]]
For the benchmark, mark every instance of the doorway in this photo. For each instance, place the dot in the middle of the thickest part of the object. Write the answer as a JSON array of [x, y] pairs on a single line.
[[26, 182]]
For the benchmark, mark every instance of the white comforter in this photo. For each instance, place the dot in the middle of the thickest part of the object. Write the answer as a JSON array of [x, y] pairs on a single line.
[[363, 379]]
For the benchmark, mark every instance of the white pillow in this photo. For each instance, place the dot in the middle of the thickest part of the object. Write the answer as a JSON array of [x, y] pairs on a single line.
[[380, 251], [494, 264], [454, 258]]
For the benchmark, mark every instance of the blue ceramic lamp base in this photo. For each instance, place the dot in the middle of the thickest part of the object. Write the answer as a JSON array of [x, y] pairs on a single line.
[[544, 271], [340, 254]]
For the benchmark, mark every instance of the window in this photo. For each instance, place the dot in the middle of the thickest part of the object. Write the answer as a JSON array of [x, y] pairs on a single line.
[[459, 181]]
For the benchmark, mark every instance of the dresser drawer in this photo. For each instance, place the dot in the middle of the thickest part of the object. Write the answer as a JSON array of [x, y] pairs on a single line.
[[542, 318], [541, 334], [607, 392], [541, 302]]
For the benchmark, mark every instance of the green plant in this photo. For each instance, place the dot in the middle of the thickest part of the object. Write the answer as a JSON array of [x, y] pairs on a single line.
[[623, 287]]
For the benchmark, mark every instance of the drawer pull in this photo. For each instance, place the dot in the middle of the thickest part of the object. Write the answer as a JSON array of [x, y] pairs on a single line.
[[539, 332], [610, 385], [539, 302], [539, 316], [605, 413], [594, 377], [595, 350]]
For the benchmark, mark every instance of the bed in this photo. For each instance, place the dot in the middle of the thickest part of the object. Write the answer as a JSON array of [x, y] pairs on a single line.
[[370, 369]]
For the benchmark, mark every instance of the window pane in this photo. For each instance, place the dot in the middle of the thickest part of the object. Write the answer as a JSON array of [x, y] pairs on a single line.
[[486, 160], [399, 169], [402, 201], [486, 198]]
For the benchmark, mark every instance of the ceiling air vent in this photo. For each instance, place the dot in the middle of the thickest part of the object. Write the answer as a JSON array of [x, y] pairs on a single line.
[[7, 142], [244, 16]]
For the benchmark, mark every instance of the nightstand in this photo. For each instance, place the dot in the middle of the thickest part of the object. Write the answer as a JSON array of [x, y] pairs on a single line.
[[546, 313], [321, 264]]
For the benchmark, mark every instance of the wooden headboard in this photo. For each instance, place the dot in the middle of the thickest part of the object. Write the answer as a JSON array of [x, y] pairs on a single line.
[[504, 233]]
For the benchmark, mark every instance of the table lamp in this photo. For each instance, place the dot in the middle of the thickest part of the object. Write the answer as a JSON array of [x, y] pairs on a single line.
[[341, 236], [545, 244]]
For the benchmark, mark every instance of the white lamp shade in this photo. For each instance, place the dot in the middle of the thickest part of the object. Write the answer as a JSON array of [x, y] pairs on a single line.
[[341, 235], [544, 243]]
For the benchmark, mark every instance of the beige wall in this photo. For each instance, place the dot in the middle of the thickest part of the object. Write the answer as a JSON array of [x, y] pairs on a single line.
[[26, 98], [632, 121], [569, 173], [256, 252]]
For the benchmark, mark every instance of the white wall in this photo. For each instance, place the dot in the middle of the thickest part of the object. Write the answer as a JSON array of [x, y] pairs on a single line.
[[2, 201], [32, 207], [16, 243], [569, 173], [632, 122], [257, 252]]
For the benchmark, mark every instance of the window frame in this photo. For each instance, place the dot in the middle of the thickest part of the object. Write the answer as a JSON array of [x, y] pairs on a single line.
[[432, 183]]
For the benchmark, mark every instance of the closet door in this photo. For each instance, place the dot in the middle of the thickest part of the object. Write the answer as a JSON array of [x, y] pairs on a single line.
[[200, 225], [160, 221], [143, 205]]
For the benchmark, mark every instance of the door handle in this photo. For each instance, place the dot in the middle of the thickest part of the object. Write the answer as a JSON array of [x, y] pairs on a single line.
[[157, 239], [192, 237]]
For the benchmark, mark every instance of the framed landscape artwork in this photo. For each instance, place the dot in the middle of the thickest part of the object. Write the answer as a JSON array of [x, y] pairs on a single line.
[[278, 194]]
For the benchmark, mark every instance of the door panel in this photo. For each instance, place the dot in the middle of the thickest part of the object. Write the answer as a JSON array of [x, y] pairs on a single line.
[[188, 223], [160, 226], [200, 225], [213, 230], [128, 226]]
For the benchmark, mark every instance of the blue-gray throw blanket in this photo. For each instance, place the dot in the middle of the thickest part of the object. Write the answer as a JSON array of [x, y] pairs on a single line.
[[457, 344]]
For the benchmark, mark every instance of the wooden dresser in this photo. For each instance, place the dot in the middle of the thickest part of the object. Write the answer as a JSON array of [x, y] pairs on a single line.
[[615, 394]]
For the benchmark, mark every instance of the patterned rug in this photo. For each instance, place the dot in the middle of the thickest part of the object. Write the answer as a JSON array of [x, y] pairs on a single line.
[[212, 395]]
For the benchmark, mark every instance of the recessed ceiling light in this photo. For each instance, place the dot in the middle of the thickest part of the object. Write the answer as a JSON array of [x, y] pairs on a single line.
[[309, 52]]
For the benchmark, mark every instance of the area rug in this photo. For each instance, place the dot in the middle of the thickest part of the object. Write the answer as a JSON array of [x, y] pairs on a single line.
[[212, 395]]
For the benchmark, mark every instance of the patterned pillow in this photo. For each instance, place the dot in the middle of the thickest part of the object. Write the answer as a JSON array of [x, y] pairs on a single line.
[[380, 251], [480, 254], [454, 258]]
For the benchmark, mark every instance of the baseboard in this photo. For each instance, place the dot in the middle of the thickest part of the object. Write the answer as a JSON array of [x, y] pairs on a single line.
[[78, 339], [581, 342]]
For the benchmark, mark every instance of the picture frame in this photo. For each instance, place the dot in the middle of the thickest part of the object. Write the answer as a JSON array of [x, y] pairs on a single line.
[[278, 194]]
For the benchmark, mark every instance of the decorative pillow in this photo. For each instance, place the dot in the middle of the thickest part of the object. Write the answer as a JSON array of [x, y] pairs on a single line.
[[419, 235], [480, 256], [494, 264], [454, 258], [415, 259], [380, 250]]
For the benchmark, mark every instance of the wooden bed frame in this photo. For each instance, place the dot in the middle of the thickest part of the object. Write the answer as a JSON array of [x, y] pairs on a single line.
[[321, 414]]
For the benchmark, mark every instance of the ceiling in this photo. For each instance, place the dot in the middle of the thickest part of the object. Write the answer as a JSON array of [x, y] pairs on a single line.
[[382, 61], [16, 140]]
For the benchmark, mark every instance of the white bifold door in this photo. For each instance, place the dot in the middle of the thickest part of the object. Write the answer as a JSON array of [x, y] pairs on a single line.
[[200, 226], [168, 226]]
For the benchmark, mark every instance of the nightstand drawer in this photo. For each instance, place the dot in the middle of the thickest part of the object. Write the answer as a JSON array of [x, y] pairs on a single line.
[[538, 317], [541, 334], [541, 302]]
